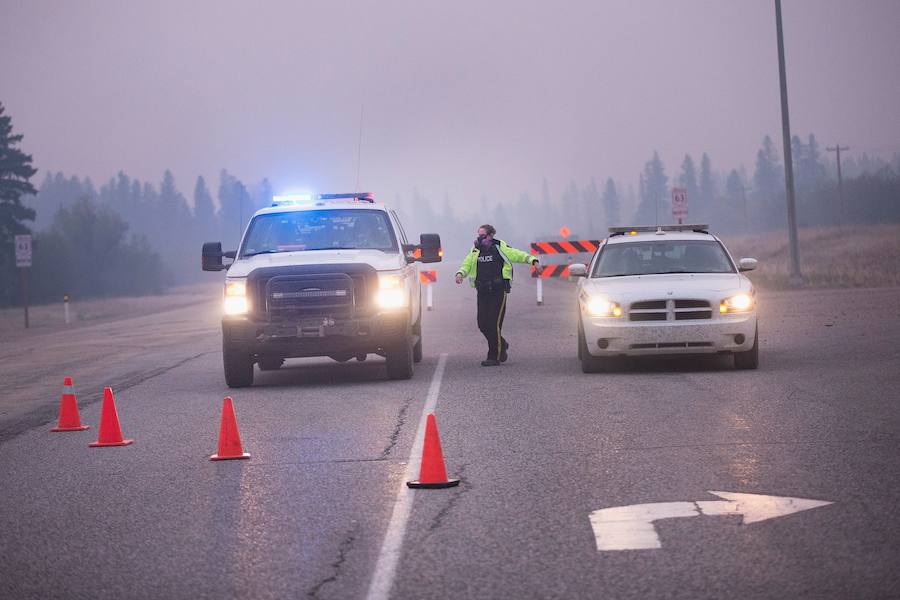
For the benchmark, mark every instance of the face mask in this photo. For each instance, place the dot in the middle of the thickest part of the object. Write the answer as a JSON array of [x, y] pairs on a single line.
[[483, 242]]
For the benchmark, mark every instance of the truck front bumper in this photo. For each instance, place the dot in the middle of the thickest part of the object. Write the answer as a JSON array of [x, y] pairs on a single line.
[[316, 336]]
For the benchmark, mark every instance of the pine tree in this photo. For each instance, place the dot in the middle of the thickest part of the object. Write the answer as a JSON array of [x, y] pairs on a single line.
[[611, 205], [706, 191], [768, 185], [264, 194], [653, 190], [593, 207], [204, 211], [735, 196], [688, 181], [15, 181]]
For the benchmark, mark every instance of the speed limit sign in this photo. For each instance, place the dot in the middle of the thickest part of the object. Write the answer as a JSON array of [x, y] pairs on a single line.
[[23, 250]]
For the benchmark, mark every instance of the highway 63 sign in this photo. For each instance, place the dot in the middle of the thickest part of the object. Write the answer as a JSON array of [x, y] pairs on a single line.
[[23, 250], [679, 203]]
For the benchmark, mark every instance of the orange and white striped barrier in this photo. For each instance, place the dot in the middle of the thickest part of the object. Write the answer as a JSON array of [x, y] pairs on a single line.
[[561, 247], [428, 278]]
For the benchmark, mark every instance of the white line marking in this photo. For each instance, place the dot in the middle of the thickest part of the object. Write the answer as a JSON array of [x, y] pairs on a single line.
[[389, 556], [631, 527]]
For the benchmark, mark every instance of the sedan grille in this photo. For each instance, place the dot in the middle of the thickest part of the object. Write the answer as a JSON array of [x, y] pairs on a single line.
[[669, 310]]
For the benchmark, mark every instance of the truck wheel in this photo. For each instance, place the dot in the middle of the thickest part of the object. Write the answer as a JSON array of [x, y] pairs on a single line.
[[399, 360], [417, 330], [238, 368], [589, 363], [417, 350], [270, 364], [750, 358]]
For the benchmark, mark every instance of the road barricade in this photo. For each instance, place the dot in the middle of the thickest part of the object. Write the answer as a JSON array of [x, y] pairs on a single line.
[[428, 279], [560, 247]]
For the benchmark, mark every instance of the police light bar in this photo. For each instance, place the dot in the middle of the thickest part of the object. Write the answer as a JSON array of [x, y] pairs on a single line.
[[699, 228], [289, 199], [360, 196]]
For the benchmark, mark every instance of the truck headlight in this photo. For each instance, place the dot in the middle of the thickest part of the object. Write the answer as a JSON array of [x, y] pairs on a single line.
[[601, 307], [236, 297], [391, 291], [736, 304]]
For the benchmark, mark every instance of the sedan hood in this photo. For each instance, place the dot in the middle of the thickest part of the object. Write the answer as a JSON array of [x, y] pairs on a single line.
[[651, 287]]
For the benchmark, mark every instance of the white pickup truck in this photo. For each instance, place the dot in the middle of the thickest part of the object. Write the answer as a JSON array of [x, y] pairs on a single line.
[[331, 275]]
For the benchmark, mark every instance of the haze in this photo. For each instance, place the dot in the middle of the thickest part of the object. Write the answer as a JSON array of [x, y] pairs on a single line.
[[462, 98]]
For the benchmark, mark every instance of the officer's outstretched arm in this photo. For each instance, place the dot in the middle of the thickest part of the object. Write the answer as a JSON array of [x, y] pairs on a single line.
[[520, 256]]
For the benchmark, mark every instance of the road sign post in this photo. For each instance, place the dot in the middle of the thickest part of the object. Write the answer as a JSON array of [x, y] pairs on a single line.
[[23, 262], [679, 204]]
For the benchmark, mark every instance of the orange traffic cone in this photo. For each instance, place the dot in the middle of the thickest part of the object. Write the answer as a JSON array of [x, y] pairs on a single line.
[[229, 437], [110, 432], [69, 419], [432, 473]]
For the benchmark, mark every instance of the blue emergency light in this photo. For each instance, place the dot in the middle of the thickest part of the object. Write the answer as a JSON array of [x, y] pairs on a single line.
[[289, 199]]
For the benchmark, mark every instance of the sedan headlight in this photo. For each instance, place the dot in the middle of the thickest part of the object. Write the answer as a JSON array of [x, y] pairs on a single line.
[[601, 307], [737, 304], [236, 297], [391, 291]]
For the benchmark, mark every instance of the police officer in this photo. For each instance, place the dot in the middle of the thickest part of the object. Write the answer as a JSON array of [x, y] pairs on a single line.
[[489, 269]]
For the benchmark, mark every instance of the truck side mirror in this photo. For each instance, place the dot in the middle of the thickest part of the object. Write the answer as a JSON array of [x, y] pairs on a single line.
[[212, 256], [430, 243]]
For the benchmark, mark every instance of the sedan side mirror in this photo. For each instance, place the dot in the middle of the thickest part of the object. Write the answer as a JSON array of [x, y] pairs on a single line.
[[577, 270], [746, 264]]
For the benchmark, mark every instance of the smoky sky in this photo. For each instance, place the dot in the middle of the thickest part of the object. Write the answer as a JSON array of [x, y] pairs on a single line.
[[458, 98]]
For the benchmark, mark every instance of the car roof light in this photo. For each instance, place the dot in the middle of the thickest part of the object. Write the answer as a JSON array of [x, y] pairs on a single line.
[[357, 196], [292, 199], [696, 228]]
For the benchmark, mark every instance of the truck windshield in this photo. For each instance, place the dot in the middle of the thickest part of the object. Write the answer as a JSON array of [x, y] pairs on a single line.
[[660, 257], [332, 229]]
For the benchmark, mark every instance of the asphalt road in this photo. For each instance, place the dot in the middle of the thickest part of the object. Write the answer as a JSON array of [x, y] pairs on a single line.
[[538, 445]]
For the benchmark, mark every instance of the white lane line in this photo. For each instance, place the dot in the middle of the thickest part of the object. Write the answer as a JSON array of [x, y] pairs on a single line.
[[389, 556]]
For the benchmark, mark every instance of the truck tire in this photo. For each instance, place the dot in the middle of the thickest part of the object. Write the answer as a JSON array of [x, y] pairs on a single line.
[[399, 360], [417, 330], [750, 358], [417, 350], [238, 367]]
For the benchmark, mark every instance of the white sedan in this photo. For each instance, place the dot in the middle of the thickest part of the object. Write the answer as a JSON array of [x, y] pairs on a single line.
[[671, 290]]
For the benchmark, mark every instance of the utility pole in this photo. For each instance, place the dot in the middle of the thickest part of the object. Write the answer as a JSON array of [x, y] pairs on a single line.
[[838, 149], [795, 277]]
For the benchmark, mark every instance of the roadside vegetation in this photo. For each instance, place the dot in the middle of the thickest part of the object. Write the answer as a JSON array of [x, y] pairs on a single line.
[[850, 256], [133, 237]]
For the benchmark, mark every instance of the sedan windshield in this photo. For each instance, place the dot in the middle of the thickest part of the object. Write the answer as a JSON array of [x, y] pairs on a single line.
[[661, 257], [333, 229]]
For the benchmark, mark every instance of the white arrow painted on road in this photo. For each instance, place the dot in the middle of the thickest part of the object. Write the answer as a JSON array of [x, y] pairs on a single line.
[[631, 527]]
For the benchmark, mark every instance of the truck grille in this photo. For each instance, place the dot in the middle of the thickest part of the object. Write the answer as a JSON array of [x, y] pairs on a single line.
[[669, 310], [298, 292], [331, 294]]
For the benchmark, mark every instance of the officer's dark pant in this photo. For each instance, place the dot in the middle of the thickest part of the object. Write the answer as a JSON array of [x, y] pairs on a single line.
[[491, 310]]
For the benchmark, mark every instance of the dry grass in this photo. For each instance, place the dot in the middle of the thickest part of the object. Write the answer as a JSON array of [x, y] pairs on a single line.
[[50, 317], [853, 256]]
